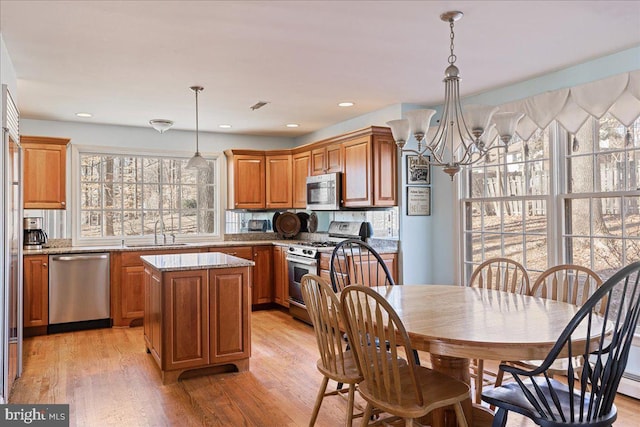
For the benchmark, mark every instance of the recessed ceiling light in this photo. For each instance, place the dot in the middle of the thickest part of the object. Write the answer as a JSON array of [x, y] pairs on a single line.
[[84, 115], [224, 126], [292, 125], [346, 104]]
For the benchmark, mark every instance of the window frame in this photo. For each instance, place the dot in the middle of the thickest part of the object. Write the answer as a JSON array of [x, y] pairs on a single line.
[[74, 209]]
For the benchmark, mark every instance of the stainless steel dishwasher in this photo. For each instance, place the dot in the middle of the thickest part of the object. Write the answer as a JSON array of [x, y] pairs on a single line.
[[78, 292]]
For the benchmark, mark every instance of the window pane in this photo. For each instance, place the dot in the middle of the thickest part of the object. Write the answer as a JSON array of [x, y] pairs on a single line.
[[112, 196], [132, 196], [579, 251], [149, 219], [536, 247], [513, 246], [607, 256], [632, 251], [607, 217], [492, 246], [151, 169], [580, 174], [132, 223], [90, 196], [538, 175], [493, 182], [536, 211], [611, 134], [582, 142], [189, 221], [515, 180], [112, 223], [151, 196], [205, 197], [91, 224], [513, 217], [90, 167], [131, 169], [170, 197], [189, 196], [611, 172], [632, 216], [207, 222], [580, 216]]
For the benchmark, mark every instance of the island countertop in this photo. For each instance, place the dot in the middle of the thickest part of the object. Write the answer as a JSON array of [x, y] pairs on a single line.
[[195, 261]]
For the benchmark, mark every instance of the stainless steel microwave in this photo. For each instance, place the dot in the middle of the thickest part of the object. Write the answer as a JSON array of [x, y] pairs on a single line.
[[323, 192]]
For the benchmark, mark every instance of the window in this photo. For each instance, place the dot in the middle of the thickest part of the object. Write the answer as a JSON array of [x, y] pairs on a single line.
[[506, 204], [557, 199], [130, 196], [601, 204]]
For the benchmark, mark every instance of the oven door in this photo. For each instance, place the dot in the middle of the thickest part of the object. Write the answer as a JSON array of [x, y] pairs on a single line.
[[298, 267]]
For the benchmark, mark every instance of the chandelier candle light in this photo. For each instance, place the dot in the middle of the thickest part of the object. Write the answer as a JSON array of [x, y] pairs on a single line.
[[197, 161], [462, 137]]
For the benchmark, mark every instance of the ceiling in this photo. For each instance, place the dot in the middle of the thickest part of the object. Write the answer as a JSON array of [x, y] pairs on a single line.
[[129, 62]]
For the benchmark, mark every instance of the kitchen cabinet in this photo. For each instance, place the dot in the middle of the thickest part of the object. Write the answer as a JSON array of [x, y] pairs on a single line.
[[301, 169], [197, 318], [246, 179], [370, 169], [45, 172], [127, 285], [36, 294], [280, 276], [326, 159], [278, 181], [261, 278], [262, 275]]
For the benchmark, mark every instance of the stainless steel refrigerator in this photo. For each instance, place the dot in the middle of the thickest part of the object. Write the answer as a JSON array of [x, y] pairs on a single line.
[[11, 247]]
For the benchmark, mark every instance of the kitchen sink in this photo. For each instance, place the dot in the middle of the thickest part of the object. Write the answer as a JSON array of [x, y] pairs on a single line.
[[152, 245]]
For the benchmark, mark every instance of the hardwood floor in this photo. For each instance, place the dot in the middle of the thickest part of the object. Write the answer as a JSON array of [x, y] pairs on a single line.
[[109, 380]]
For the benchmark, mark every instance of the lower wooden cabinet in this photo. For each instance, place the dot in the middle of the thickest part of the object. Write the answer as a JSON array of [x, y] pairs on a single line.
[[197, 319], [36, 292], [280, 276], [262, 275], [390, 260]]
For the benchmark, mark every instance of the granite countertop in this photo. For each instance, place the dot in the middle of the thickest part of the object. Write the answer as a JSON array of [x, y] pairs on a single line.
[[195, 261]]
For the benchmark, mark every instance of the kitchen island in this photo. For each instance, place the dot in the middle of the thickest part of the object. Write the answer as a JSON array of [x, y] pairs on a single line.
[[197, 312]]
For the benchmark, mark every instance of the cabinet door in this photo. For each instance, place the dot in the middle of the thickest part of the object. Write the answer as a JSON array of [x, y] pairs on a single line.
[[385, 172], [372, 266], [36, 290], [249, 181], [262, 275], [45, 161], [186, 319], [132, 289], [229, 305], [334, 158], [278, 179], [245, 252], [356, 181], [318, 161], [280, 276], [300, 165]]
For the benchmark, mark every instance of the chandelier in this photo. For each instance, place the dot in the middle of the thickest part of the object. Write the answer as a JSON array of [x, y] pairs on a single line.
[[464, 136]]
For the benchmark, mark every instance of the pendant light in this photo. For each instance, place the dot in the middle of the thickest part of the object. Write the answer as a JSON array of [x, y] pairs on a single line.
[[197, 161]]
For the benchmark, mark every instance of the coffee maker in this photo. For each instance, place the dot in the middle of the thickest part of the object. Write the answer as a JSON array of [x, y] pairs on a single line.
[[34, 235]]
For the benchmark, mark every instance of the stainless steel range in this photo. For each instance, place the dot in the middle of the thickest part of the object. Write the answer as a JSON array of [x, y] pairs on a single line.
[[302, 258]]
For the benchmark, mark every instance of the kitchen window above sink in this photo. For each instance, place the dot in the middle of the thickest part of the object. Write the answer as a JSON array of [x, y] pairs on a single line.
[[121, 196]]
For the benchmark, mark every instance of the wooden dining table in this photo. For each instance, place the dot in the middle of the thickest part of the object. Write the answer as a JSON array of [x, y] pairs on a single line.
[[458, 323]]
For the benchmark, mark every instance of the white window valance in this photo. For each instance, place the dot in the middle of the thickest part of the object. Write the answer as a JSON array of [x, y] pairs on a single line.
[[618, 95]]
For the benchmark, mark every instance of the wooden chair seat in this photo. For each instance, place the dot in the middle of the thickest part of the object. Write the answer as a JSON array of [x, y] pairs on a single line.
[[437, 391], [346, 372]]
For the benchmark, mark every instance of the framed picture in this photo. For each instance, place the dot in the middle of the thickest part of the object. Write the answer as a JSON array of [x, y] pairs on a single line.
[[418, 170], [418, 201]]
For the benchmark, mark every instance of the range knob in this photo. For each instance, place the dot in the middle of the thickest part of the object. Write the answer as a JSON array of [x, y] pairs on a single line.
[[291, 249], [306, 251]]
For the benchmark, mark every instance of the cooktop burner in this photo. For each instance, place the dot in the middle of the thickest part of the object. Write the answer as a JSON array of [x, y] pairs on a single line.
[[317, 244]]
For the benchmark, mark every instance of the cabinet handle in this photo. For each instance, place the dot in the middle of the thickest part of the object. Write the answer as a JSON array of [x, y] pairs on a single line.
[[236, 203], [44, 265], [63, 203]]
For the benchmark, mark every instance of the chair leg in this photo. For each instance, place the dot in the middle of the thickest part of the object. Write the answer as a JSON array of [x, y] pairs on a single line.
[[408, 422], [462, 420], [499, 376], [479, 379], [500, 418], [316, 408], [352, 392], [367, 415]]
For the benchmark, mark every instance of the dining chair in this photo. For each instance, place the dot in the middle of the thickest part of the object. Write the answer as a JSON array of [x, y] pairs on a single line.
[[502, 274], [570, 283], [405, 391], [354, 261], [335, 363], [600, 334]]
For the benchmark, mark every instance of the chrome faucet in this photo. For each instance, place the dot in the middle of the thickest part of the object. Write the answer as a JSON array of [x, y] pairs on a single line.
[[155, 232]]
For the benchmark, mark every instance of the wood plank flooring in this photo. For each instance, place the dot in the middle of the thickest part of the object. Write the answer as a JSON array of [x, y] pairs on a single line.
[[109, 380]]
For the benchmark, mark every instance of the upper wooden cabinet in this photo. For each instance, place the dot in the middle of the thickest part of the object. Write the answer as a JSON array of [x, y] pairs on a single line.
[[278, 181], [370, 169], [301, 164], [246, 179], [326, 159], [45, 171]]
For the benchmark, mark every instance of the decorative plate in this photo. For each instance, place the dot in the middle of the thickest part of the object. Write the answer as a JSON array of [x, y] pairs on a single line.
[[304, 221], [274, 222], [288, 224]]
